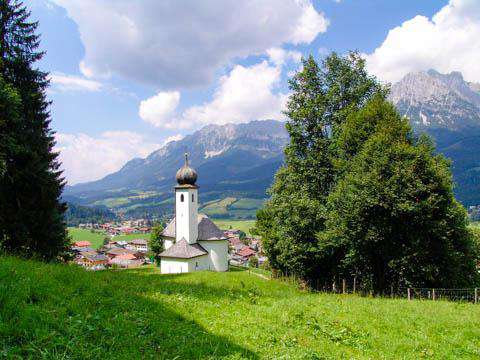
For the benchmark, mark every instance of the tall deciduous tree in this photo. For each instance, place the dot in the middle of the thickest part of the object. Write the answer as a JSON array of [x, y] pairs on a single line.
[[322, 97], [393, 213], [31, 213], [156, 243]]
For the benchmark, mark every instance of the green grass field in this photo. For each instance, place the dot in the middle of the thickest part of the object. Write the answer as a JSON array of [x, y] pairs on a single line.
[[244, 225], [97, 238], [131, 237], [60, 311]]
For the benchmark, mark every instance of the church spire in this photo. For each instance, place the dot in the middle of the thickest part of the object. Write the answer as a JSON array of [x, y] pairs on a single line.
[[186, 175]]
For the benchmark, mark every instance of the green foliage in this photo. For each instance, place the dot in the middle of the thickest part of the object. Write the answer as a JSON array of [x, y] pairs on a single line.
[[156, 242], [393, 215], [60, 311], [31, 213], [253, 262], [322, 98], [77, 214], [359, 195]]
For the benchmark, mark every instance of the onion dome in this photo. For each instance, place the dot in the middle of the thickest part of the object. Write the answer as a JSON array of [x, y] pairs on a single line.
[[186, 175]]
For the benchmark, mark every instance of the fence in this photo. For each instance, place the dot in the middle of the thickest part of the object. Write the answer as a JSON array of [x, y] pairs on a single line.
[[354, 286]]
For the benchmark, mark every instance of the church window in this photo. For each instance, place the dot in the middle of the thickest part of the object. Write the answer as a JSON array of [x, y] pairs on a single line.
[[181, 198], [193, 197]]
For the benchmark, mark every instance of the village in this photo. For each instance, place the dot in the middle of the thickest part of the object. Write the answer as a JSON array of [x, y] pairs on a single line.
[[243, 250]]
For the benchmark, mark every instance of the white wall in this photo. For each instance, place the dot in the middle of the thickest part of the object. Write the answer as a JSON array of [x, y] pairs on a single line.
[[199, 263], [167, 243], [174, 266], [218, 253], [186, 214]]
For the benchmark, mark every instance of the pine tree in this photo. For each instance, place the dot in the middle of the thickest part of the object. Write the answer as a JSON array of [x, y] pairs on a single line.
[[31, 212]]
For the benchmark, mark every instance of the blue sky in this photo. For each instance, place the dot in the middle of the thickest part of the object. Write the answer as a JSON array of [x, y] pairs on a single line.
[[127, 76]]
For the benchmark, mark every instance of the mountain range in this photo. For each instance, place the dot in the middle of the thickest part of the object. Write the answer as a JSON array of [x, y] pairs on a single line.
[[236, 163]]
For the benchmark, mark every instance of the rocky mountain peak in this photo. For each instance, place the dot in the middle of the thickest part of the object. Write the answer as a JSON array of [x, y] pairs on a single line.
[[431, 99]]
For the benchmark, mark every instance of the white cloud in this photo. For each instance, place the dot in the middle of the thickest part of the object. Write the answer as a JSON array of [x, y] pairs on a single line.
[[87, 158], [160, 108], [245, 94], [172, 138], [63, 82], [173, 44], [447, 42], [279, 56]]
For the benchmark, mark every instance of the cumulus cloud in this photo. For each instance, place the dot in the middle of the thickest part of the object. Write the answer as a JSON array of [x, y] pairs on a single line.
[[159, 109], [447, 42], [86, 158], [63, 82], [279, 56], [173, 44], [246, 93]]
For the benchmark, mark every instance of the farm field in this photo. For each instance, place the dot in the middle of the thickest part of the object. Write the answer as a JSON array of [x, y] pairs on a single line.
[[62, 311], [244, 225], [97, 237]]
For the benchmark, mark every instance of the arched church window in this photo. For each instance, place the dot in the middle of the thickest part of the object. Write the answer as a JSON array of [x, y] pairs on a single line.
[[181, 198], [193, 197]]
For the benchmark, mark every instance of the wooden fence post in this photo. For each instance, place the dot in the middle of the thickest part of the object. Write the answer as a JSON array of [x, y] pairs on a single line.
[[391, 291], [344, 286], [408, 294], [433, 294], [354, 284], [476, 295]]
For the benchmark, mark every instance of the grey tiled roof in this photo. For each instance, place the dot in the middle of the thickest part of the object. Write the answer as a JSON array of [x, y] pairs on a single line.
[[207, 230], [184, 250], [139, 242]]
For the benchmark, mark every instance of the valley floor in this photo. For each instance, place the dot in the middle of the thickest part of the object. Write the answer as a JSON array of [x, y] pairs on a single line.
[[61, 311]]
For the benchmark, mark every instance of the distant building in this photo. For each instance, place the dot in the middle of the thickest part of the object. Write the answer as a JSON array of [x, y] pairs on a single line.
[[82, 244], [140, 245], [94, 260], [192, 241]]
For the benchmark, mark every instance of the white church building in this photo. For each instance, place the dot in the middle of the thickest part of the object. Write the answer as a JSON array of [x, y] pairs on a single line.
[[192, 241]]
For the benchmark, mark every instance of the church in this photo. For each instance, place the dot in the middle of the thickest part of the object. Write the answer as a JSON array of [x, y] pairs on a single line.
[[192, 241]]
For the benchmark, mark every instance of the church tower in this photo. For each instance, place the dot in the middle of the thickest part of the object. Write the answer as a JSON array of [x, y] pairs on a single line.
[[186, 204]]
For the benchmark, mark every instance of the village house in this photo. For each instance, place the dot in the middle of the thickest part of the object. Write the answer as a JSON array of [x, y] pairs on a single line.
[[245, 253], [93, 261], [119, 251], [192, 241], [140, 245], [82, 244]]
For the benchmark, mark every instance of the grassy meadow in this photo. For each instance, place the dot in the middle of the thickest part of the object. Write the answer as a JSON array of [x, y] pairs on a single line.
[[61, 311], [96, 238], [244, 225]]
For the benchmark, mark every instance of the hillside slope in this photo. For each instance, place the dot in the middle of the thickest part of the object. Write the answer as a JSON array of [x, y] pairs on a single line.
[[59, 311], [239, 161], [231, 160]]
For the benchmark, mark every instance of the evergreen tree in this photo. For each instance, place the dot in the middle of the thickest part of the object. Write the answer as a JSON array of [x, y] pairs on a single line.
[[322, 97], [31, 213], [393, 214], [9, 109]]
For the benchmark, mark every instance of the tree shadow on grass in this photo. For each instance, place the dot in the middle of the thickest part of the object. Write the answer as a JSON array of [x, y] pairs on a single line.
[[113, 315]]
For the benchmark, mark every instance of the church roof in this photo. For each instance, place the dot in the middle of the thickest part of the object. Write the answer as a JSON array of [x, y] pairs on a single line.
[[184, 250], [207, 230]]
